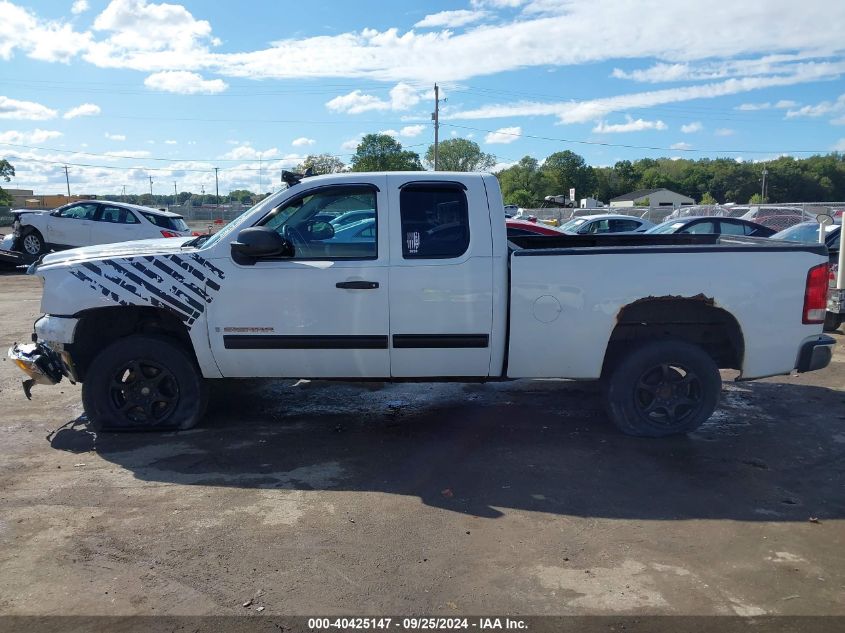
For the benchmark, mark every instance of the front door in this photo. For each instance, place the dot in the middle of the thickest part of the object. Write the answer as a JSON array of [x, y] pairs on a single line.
[[71, 226], [322, 313], [441, 281]]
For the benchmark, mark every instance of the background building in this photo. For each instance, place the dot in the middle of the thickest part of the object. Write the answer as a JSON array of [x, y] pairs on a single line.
[[651, 198]]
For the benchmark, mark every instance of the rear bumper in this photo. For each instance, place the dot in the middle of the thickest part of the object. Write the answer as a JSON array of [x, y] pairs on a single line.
[[815, 354]]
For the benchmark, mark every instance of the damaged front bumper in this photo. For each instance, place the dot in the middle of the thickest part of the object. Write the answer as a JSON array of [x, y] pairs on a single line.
[[42, 365]]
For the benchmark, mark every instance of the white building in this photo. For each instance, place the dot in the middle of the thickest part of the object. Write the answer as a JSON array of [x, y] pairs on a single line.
[[652, 198]]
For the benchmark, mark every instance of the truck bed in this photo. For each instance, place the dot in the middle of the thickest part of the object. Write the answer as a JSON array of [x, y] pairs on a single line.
[[641, 243]]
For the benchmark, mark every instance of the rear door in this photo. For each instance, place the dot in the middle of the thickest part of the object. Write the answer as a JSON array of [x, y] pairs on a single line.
[[72, 225], [114, 224], [441, 278]]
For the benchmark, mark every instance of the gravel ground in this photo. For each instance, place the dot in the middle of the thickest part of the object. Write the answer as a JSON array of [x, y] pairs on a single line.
[[368, 498]]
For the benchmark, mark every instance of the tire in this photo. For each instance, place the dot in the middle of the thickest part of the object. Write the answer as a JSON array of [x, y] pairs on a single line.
[[663, 388], [32, 243], [170, 393], [832, 321]]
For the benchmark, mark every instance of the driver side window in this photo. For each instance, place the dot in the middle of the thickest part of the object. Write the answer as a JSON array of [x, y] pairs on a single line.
[[79, 212], [330, 223]]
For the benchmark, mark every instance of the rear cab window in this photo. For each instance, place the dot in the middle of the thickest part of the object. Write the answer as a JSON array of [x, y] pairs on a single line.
[[171, 223], [435, 220]]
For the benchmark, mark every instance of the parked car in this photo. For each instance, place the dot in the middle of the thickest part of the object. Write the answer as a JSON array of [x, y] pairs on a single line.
[[775, 217], [809, 232], [605, 223], [91, 222], [439, 294], [527, 227], [352, 216], [713, 224], [511, 210]]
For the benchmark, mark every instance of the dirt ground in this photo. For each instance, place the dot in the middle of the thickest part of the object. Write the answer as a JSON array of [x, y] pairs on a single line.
[[370, 498]]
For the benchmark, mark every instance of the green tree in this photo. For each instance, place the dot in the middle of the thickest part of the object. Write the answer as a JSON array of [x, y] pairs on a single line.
[[708, 199], [521, 198], [6, 173], [381, 152], [757, 199], [459, 154], [645, 202], [564, 170], [523, 177], [322, 164]]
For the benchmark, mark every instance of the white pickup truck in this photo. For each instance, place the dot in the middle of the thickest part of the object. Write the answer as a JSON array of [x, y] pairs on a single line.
[[431, 290]]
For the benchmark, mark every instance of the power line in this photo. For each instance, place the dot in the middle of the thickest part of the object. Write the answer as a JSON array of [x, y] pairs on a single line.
[[649, 147]]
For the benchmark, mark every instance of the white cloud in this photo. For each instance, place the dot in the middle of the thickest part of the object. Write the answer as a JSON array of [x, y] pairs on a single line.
[[592, 109], [130, 153], [401, 97], [783, 104], [44, 40], [170, 142], [80, 6], [184, 82], [410, 131], [86, 109], [456, 18], [820, 109], [498, 4], [689, 128], [23, 138], [680, 146], [115, 137], [392, 133], [352, 144], [504, 135], [302, 141], [247, 152], [631, 125], [724, 131], [839, 146], [25, 110]]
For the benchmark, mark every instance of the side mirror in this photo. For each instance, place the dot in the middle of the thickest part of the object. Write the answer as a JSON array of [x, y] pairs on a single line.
[[319, 231], [259, 241]]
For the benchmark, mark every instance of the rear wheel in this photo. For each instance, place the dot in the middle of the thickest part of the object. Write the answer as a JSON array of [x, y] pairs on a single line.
[[663, 388], [143, 383], [32, 243]]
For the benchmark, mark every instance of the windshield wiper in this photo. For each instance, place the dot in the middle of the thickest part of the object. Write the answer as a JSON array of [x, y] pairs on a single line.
[[197, 241]]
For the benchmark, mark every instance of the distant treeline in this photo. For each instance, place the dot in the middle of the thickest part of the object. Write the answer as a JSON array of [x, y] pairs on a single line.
[[721, 180]]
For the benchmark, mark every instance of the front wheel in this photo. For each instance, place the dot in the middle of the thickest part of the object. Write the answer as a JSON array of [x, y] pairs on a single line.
[[143, 383], [33, 243], [663, 388]]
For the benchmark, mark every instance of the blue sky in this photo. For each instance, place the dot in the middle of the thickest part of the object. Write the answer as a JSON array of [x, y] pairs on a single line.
[[126, 89]]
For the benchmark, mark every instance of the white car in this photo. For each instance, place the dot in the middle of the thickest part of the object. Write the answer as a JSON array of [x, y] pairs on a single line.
[[436, 291], [91, 222]]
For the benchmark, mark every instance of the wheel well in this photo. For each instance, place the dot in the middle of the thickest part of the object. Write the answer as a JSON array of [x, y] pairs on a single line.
[[695, 320], [100, 327]]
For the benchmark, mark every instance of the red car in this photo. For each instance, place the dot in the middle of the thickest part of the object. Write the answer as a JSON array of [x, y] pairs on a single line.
[[518, 228]]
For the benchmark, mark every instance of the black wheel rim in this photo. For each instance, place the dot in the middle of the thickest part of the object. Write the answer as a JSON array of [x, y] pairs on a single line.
[[668, 394], [144, 393]]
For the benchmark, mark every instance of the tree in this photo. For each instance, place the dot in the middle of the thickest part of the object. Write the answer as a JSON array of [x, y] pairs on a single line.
[[322, 164], [645, 202], [381, 152], [708, 199], [460, 154], [6, 173], [757, 199], [565, 170]]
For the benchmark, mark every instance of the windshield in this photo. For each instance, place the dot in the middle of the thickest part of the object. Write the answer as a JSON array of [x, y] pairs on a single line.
[[268, 203], [807, 232], [666, 227], [573, 224]]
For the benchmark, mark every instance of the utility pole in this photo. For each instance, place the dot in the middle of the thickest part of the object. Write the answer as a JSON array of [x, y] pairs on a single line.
[[217, 190], [259, 172], [123, 196], [763, 191], [435, 116], [174, 189], [151, 185], [67, 180]]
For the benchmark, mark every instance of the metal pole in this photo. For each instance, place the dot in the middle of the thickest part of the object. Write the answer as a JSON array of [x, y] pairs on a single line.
[[217, 189], [840, 275], [67, 180], [763, 189], [151, 185], [436, 125]]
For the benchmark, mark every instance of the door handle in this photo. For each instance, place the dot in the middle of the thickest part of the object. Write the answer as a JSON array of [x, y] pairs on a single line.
[[357, 285]]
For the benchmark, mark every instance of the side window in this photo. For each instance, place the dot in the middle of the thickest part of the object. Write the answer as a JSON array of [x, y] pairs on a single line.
[[599, 226], [314, 237], [621, 226], [117, 215], [734, 228], [435, 221], [79, 212]]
